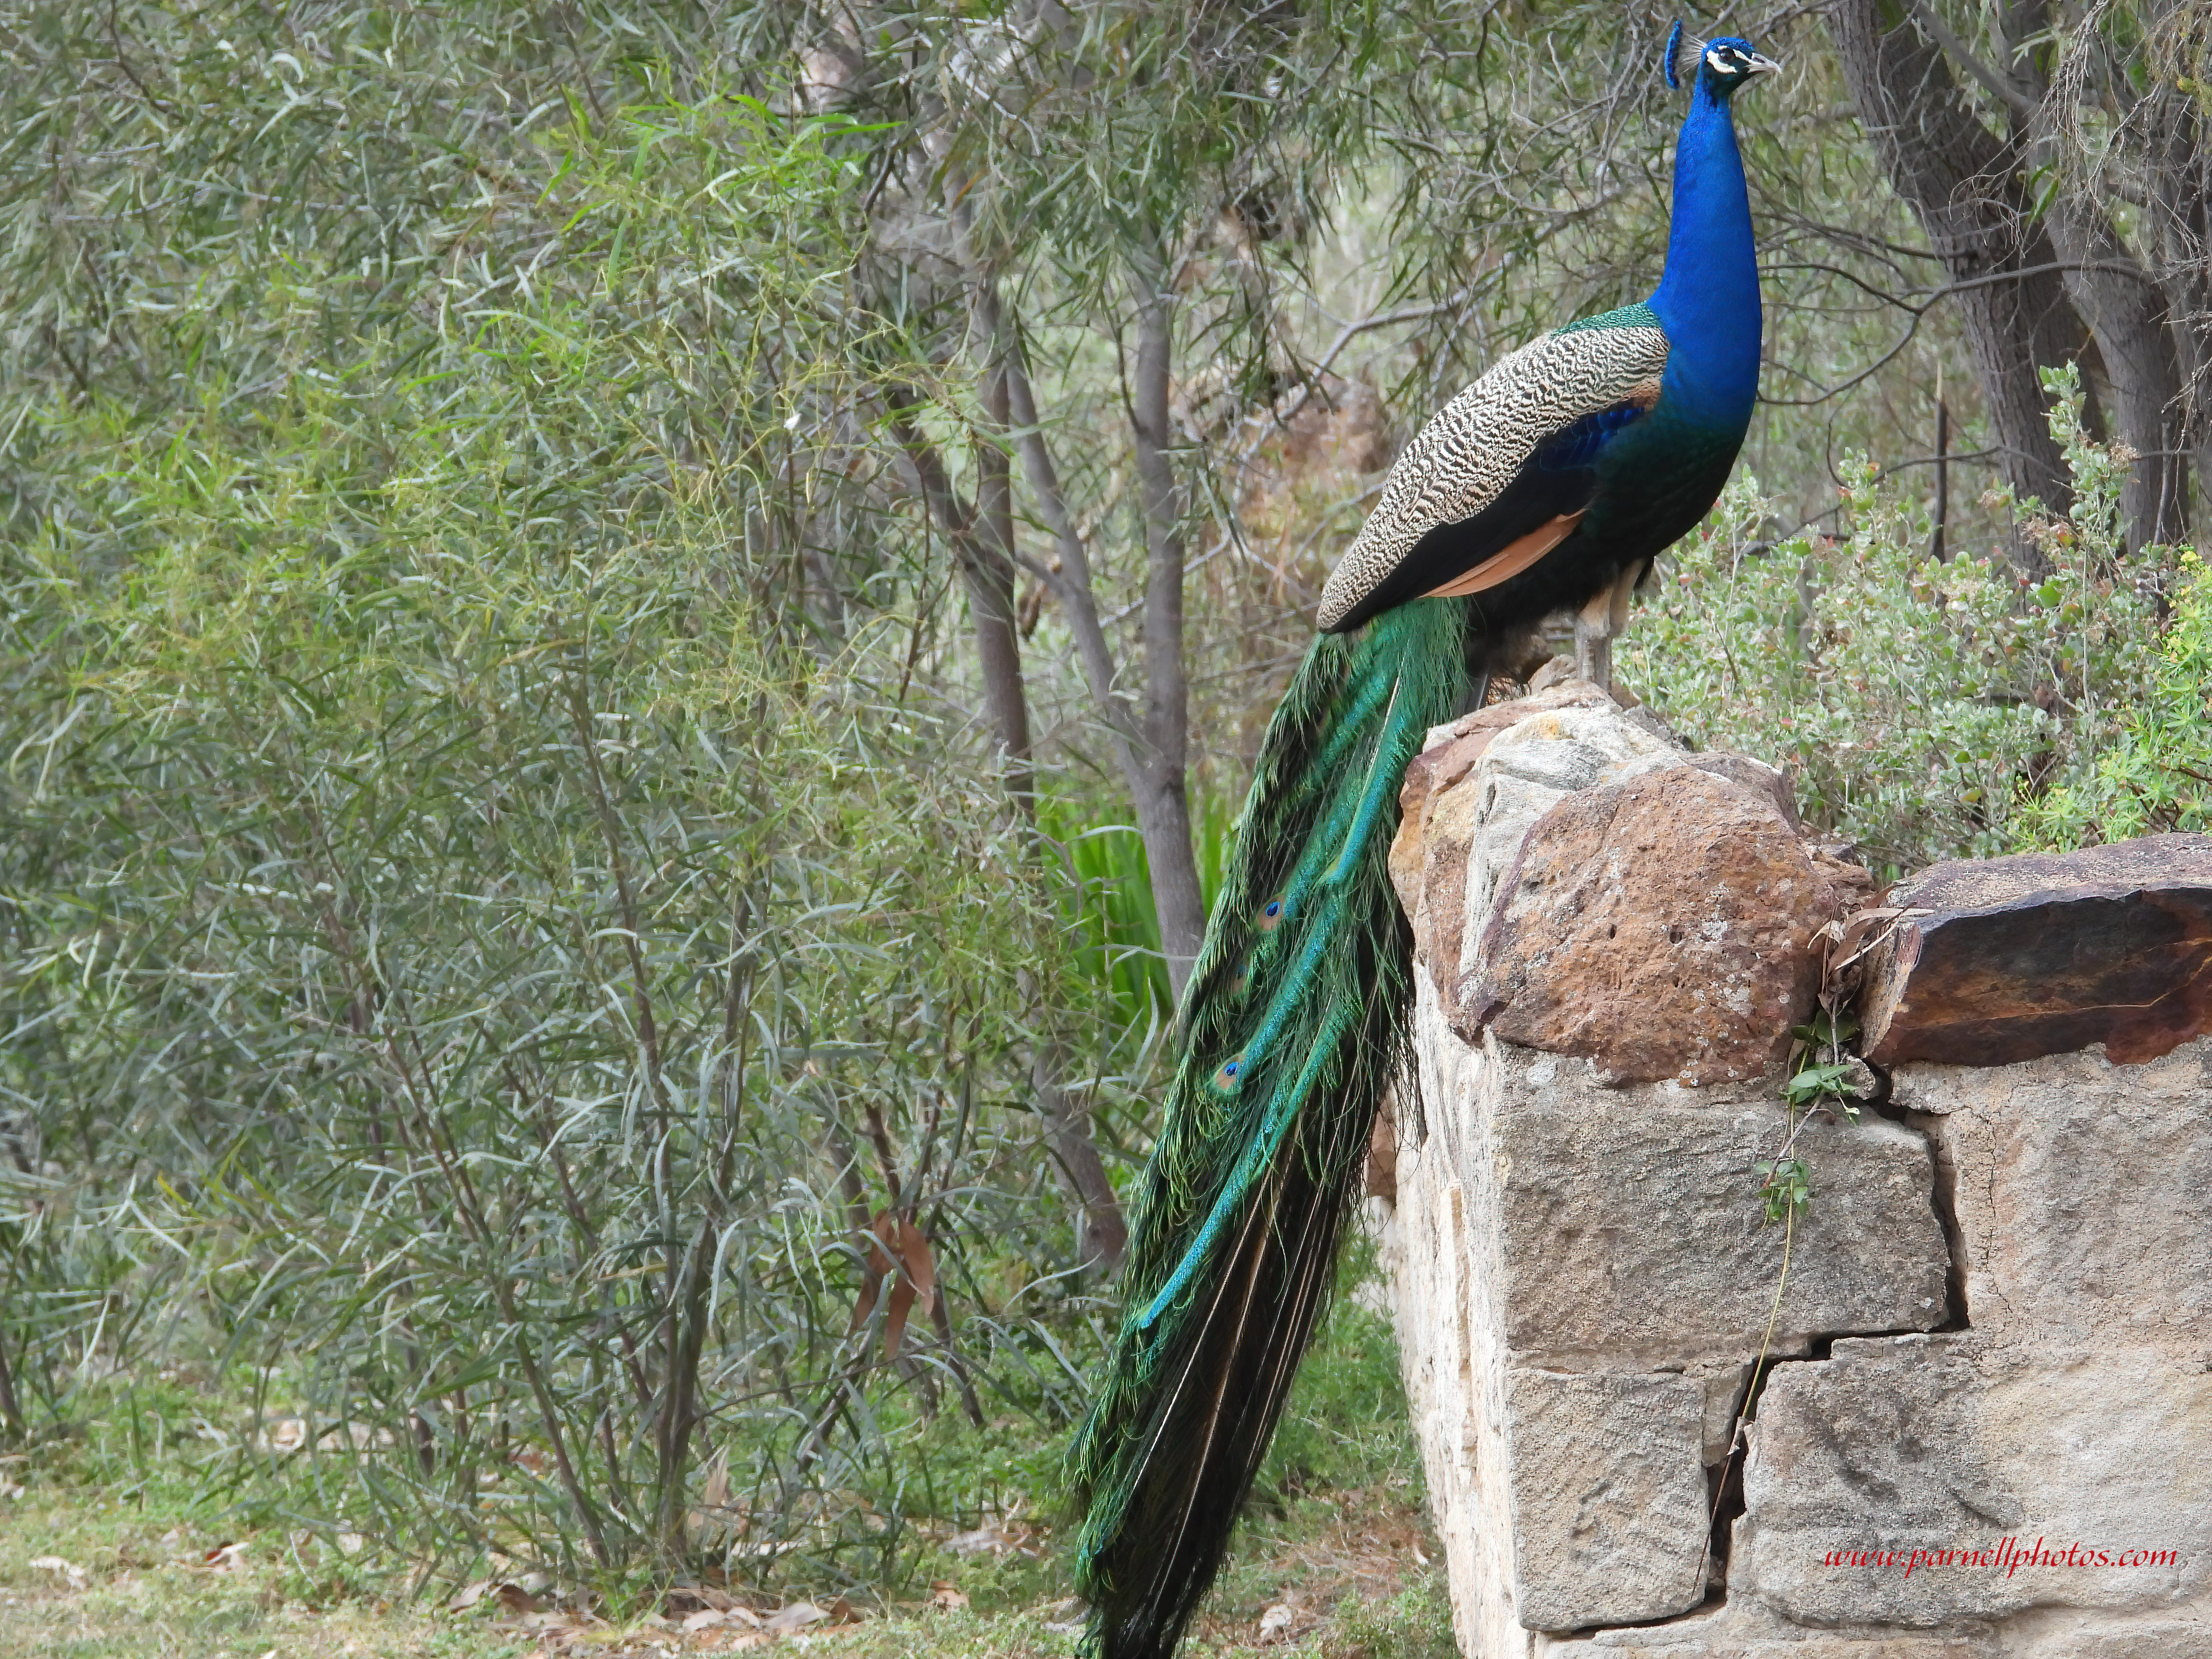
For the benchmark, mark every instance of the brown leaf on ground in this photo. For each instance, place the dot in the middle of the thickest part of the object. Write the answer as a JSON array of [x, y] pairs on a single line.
[[69, 1570], [797, 1616]]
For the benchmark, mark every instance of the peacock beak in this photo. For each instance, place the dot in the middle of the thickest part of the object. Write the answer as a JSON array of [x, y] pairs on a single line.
[[1760, 65]]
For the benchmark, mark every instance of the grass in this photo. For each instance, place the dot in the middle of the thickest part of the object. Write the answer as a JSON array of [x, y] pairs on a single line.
[[109, 1551], [1357, 1570]]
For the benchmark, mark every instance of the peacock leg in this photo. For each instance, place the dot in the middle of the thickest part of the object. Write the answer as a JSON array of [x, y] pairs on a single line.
[[1593, 641], [1598, 622], [1617, 618]]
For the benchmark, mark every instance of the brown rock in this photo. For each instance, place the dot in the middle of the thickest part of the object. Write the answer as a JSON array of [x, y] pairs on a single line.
[[2003, 959], [1854, 884], [1451, 755], [1452, 750], [1753, 775], [1661, 926]]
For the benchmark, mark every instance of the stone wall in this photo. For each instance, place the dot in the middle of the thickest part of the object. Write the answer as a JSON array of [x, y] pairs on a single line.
[[1994, 1326]]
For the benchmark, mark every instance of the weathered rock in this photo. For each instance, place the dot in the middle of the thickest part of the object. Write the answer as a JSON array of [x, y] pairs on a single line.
[[1450, 752], [1662, 926], [1471, 798], [1446, 758], [1581, 1280], [2084, 1201], [1952, 1443], [1756, 775], [2045, 952], [1627, 1231], [1606, 1477], [1741, 1629]]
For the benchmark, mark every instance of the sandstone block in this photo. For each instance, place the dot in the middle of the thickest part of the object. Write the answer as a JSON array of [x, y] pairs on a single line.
[[1662, 926], [1628, 1228], [2143, 1638], [2084, 1200], [1608, 1482], [2136, 1640], [2045, 952], [1936, 1443], [1741, 1629]]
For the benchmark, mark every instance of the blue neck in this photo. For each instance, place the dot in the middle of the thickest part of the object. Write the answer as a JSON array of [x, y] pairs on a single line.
[[1708, 296]]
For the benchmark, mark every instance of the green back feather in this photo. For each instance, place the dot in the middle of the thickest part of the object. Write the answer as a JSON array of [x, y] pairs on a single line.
[[1291, 1030]]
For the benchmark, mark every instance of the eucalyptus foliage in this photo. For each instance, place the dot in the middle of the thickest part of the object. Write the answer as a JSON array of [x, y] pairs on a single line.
[[487, 932]]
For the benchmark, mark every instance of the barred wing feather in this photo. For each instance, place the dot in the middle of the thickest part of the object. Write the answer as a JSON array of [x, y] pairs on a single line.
[[1481, 445]]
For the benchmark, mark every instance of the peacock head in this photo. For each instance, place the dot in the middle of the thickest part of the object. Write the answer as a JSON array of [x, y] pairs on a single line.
[[1717, 67]]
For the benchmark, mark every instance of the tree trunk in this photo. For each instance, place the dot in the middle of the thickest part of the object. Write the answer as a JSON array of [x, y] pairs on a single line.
[[1163, 810], [1962, 182], [1102, 1236], [1154, 774], [2180, 227], [982, 541], [2124, 306], [988, 572], [2126, 311]]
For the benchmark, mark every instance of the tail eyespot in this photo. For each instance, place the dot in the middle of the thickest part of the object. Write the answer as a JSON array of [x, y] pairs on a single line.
[[1241, 981], [1271, 914], [1227, 1077]]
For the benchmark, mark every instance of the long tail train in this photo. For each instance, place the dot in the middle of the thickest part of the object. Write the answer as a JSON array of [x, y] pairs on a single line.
[[1293, 1027]]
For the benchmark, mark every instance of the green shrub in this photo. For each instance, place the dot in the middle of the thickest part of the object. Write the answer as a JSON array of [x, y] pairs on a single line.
[[473, 942], [2156, 775], [1921, 706]]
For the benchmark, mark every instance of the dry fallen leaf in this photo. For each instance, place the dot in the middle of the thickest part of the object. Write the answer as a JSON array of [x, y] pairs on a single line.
[[1275, 1623], [944, 1593], [515, 1599], [69, 1570], [469, 1595], [797, 1616]]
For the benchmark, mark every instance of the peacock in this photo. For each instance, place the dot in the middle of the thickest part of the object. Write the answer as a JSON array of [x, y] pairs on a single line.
[[1547, 485]]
